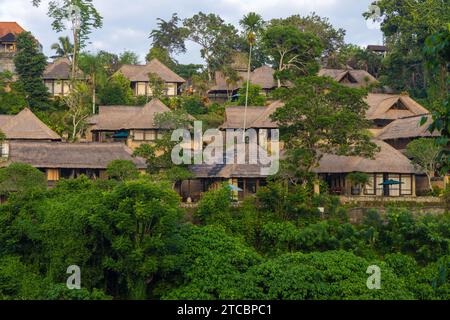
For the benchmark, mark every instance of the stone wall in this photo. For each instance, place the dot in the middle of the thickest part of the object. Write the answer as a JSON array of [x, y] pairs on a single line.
[[7, 62]]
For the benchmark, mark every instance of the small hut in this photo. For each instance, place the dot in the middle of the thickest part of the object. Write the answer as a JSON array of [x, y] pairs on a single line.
[[389, 173], [139, 78]]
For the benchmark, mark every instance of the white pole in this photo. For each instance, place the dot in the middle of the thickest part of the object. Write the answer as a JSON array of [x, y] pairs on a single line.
[[246, 92]]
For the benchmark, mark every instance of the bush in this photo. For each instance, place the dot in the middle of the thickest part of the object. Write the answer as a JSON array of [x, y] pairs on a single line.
[[255, 98], [215, 206], [122, 170], [21, 178], [193, 105]]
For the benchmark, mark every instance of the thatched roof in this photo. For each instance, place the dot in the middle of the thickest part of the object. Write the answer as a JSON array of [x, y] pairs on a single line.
[[60, 69], [227, 171], [234, 116], [377, 48], [388, 160], [243, 170], [113, 118], [264, 120], [139, 73], [262, 76], [59, 155], [349, 77], [26, 126], [407, 128], [392, 107], [257, 117]]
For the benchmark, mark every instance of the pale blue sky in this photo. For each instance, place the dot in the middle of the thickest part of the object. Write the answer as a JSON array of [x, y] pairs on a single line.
[[127, 24]]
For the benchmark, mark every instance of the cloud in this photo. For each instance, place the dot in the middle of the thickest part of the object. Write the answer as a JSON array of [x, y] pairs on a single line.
[[127, 24]]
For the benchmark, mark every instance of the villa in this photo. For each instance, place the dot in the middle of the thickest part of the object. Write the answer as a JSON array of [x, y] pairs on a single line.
[[139, 78], [131, 125]]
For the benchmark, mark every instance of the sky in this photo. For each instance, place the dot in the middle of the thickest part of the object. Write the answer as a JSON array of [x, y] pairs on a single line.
[[128, 23]]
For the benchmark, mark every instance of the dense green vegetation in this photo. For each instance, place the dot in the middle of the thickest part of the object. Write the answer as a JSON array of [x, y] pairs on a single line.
[[132, 240], [129, 234]]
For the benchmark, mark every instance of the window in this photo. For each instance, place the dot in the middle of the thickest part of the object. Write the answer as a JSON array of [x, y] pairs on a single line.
[[406, 186], [141, 88], [53, 174], [139, 135], [150, 135], [379, 188], [49, 85], [172, 89], [250, 186], [370, 188], [394, 190], [57, 88], [5, 150], [399, 106]]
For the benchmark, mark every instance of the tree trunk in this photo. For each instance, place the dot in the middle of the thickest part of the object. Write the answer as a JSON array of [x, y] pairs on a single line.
[[248, 85], [93, 94], [429, 182]]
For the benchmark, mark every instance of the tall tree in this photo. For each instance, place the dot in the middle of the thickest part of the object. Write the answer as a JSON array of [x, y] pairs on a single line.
[[128, 57], [406, 25], [437, 51], [163, 55], [331, 39], [321, 116], [117, 91], [12, 99], [170, 35], [216, 38], [293, 52], [59, 11], [63, 48], [424, 154], [79, 106], [253, 24], [30, 64]]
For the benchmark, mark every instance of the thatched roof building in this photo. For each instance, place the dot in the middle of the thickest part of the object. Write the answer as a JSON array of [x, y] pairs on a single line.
[[262, 76], [407, 128], [139, 73], [114, 118], [257, 117], [389, 107], [26, 126], [388, 160], [349, 77], [47, 155], [60, 69], [227, 171]]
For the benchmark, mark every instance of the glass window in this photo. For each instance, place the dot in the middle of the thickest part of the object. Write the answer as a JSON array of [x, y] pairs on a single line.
[[379, 188], [406, 186], [138, 135], [171, 89], [370, 187], [58, 88], [141, 88], [150, 135], [394, 190], [49, 85]]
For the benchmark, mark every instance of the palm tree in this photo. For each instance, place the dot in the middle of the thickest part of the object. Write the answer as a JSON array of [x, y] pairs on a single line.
[[63, 48], [252, 24]]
